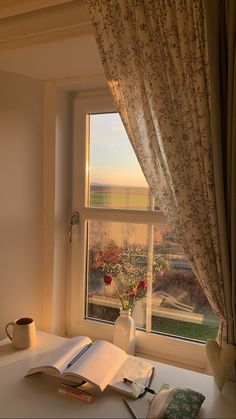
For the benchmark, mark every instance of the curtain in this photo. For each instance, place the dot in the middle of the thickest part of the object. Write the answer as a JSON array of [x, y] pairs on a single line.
[[156, 61], [221, 31]]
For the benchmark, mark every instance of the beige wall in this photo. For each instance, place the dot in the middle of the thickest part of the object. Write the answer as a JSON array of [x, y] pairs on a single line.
[[21, 102]]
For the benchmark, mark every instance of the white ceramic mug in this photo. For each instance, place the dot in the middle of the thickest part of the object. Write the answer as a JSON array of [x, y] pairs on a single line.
[[23, 332]]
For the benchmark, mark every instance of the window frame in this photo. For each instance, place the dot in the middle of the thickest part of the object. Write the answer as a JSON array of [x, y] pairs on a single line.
[[172, 350]]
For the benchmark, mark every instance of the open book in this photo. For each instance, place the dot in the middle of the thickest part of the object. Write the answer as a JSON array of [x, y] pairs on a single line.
[[100, 363]]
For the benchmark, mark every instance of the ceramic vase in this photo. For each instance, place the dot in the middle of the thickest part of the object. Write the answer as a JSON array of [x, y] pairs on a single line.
[[124, 332]]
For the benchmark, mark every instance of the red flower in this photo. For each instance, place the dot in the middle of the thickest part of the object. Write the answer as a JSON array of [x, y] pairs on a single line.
[[142, 285], [132, 293], [107, 279]]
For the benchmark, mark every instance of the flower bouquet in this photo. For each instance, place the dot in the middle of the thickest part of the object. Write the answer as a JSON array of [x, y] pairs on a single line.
[[126, 270], [127, 290]]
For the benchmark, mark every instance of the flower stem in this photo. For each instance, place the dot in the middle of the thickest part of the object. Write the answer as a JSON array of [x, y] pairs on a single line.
[[119, 296]]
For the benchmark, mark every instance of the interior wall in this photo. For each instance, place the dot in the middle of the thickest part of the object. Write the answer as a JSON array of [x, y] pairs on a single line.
[[21, 210]]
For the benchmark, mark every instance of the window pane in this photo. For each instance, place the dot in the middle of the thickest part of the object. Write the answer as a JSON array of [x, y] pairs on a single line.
[[179, 306], [119, 249], [174, 299], [116, 179]]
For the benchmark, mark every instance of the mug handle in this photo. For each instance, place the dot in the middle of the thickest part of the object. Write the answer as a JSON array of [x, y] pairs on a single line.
[[8, 334]]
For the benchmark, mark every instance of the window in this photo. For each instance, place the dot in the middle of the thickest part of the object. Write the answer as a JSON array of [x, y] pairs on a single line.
[[121, 224]]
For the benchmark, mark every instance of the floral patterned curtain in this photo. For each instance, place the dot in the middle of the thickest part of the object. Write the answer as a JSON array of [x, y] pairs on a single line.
[[156, 62]]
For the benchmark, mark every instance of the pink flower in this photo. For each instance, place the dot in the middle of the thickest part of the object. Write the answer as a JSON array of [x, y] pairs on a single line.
[[142, 285], [107, 279]]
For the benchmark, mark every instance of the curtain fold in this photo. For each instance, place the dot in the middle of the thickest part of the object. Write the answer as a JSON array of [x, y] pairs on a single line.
[[155, 56], [221, 31]]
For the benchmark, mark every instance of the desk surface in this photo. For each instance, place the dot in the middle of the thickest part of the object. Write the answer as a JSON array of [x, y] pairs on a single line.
[[37, 396]]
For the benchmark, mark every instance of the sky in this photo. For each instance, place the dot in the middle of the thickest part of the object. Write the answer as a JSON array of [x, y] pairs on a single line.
[[112, 159]]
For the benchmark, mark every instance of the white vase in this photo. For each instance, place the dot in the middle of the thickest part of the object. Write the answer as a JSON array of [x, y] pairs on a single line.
[[139, 313], [124, 332]]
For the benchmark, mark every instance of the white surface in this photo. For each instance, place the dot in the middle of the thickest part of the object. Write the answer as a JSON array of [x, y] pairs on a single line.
[[37, 396]]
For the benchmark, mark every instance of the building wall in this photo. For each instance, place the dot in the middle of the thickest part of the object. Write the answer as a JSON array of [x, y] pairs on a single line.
[[21, 193]]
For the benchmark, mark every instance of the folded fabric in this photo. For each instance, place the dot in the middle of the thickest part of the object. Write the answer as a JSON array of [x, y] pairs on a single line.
[[175, 403]]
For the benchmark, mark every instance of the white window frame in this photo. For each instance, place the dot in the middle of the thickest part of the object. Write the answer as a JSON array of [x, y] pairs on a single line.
[[167, 349]]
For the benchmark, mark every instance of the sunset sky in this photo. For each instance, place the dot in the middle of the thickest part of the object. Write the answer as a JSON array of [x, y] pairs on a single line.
[[112, 159]]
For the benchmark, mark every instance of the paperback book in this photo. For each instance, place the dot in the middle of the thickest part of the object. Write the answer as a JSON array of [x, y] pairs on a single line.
[[99, 363]]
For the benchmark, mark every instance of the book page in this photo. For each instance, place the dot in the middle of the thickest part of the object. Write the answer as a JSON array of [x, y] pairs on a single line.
[[98, 364], [59, 358], [135, 369]]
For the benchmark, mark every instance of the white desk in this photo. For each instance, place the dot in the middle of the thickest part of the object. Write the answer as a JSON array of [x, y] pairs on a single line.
[[37, 396]]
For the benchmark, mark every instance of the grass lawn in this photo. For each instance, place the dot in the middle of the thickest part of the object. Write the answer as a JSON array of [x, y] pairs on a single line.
[[184, 329]]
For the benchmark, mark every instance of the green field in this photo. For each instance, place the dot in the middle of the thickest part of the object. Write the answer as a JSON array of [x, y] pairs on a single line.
[[119, 197], [184, 329]]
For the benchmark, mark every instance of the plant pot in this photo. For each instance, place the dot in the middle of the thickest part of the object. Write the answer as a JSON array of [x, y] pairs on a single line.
[[124, 332]]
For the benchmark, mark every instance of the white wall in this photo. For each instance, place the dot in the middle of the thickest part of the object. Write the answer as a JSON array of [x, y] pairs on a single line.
[[21, 101]]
